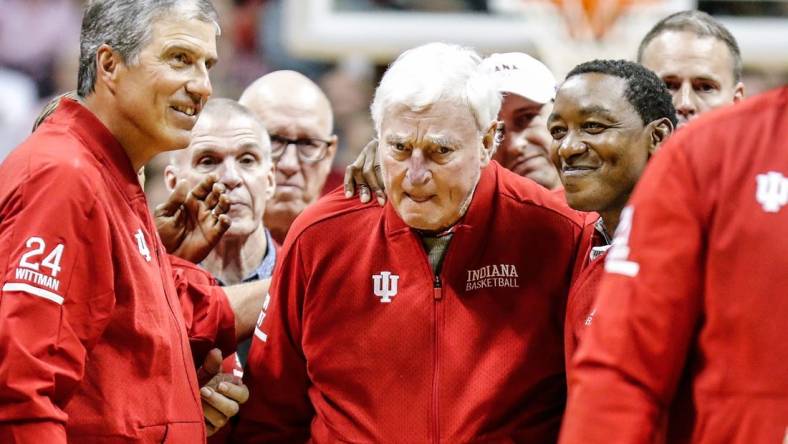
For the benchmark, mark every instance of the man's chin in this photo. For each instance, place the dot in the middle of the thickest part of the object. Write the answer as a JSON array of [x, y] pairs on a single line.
[[422, 225], [580, 201], [175, 137], [239, 228], [284, 210], [423, 221], [285, 193]]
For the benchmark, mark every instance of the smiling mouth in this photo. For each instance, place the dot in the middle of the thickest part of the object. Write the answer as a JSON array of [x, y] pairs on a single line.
[[577, 170], [188, 110]]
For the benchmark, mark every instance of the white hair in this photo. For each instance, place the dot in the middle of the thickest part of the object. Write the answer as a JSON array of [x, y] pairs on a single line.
[[435, 72]]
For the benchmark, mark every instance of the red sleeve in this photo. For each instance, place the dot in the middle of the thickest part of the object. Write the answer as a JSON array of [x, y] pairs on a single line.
[[278, 410], [56, 298], [626, 369], [210, 321]]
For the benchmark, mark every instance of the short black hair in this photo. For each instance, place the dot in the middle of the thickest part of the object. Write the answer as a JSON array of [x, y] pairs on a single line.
[[645, 91], [702, 25]]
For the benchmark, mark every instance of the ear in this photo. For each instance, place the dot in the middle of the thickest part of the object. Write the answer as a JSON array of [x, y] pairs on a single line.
[[489, 142], [271, 178], [659, 130], [108, 64], [141, 177], [738, 92], [170, 179], [332, 147]]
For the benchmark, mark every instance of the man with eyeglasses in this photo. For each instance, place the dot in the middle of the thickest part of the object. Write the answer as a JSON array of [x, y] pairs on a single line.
[[299, 120]]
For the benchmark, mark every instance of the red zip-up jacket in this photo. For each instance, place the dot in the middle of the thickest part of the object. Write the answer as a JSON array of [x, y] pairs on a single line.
[[207, 314], [92, 338], [582, 295], [690, 324], [472, 355]]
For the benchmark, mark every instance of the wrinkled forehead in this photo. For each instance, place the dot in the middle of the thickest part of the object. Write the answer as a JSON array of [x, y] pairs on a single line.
[[685, 54], [292, 120], [228, 134], [190, 33], [443, 118]]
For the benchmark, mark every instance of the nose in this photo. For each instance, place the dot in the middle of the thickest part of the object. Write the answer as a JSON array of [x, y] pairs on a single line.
[[518, 141], [684, 101], [570, 146], [418, 171], [200, 83], [229, 175], [289, 164]]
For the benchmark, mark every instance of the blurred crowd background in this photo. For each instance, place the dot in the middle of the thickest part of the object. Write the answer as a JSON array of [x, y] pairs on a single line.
[[344, 45]]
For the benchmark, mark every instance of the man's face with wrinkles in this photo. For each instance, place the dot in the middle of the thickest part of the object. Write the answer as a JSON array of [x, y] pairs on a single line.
[[698, 71], [236, 149], [161, 94], [431, 162]]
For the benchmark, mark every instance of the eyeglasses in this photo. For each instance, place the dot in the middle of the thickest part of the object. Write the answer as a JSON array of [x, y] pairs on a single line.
[[308, 150]]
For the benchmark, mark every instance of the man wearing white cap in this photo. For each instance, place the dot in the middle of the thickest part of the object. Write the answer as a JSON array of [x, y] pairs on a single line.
[[528, 89]]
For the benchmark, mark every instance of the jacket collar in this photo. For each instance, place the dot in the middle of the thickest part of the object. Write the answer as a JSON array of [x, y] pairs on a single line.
[[101, 143], [470, 233]]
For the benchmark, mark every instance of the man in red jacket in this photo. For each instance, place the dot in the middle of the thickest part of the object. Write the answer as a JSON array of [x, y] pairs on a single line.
[[527, 90], [689, 328], [91, 329], [424, 320], [609, 118]]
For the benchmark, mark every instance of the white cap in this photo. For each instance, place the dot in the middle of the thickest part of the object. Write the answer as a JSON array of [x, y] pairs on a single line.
[[521, 74]]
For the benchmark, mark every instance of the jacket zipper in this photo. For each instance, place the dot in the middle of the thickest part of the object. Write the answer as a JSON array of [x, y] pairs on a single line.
[[173, 317], [437, 295]]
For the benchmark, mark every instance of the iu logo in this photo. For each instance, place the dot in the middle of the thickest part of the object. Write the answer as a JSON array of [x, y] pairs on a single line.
[[142, 245], [772, 192], [385, 286]]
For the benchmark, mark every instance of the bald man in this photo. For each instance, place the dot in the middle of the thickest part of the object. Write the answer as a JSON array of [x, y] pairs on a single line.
[[229, 141], [299, 120]]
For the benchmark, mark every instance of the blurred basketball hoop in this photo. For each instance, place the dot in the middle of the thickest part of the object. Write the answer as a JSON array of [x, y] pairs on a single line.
[[574, 31], [562, 33], [591, 19]]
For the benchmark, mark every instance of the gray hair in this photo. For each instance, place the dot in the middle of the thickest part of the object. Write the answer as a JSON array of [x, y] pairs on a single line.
[[52, 105], [126, 26], [434, 72], [702, 25]]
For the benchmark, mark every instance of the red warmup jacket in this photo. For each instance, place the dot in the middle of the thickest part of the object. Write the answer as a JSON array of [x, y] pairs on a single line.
[[582, 295], [360, 342], [690, 326], [209, 318], [93, 341]]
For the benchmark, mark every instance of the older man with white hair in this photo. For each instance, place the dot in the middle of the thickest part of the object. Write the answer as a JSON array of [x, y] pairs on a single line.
[[425, 320], [527, 88]]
